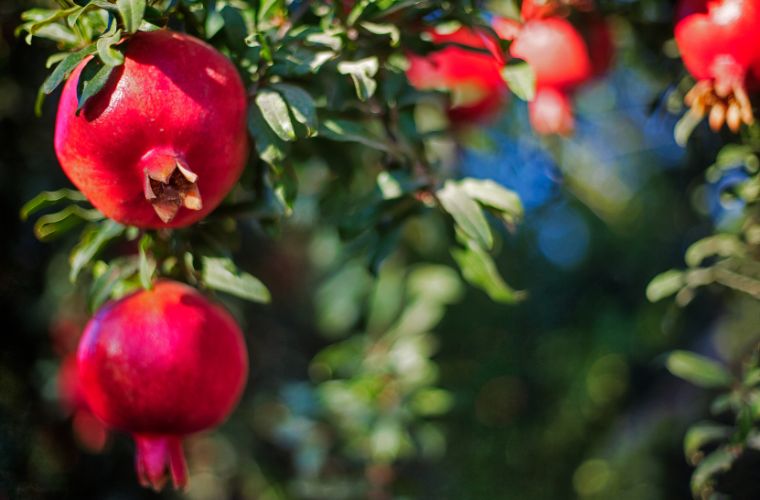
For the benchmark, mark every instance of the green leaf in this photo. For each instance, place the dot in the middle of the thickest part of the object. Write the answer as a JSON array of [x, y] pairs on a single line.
[[274, 109], [665, 284], [479, 269], [92, 242], [107, 53], [521, 79], [383, 29], [147, 263], [700, 435], [65, 68], [721, 245], [362, 72], [301, 104], [49, 198], [270, 147], [51, 226], [221, 274], [494, 195], [713, 464], [350, 131], [93, 78], [131, 13], [466, 213], [698, 370]]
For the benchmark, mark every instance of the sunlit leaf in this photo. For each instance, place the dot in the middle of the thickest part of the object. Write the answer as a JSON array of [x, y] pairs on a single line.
[[362, 72], [698, 370], [466, 213], [92, 242], [222, 274]]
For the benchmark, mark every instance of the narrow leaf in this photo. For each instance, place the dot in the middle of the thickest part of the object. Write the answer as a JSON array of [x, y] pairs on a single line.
[[350, 131], [91, 243], [494, 195], [479, 269], [65, 67], [49, 198], [700, 435], [92, 80], [713, 464], [698, 370], [146, 262]]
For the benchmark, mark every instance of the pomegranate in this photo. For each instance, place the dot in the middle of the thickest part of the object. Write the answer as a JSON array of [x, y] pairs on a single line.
[[161, 364], [563, 58], [473, 78], [719, 41], [165, 140]]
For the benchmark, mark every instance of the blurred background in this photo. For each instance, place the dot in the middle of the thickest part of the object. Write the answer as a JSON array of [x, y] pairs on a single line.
[[562, 396]]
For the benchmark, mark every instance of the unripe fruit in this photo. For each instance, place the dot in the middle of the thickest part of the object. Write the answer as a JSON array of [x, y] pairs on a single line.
[[473, 78], [165, 140], [719, 41], [161, 364]]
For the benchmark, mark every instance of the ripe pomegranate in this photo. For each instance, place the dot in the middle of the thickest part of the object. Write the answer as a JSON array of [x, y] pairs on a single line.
[[473, 78], [165, 140], [562, 59], [719, 42], [161, 364]]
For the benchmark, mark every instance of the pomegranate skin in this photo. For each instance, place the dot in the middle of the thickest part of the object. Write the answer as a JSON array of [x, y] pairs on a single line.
[[718, 39], [174, 101], [473, 76], [161, 364]]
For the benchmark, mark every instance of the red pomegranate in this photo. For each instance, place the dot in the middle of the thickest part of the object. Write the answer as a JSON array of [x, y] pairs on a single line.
[[164, 142], [563, 58], [473, 78], [719, 41], [161, 364]]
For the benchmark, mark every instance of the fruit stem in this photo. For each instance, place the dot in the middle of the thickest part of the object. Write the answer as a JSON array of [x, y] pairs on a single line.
[[157, 453]]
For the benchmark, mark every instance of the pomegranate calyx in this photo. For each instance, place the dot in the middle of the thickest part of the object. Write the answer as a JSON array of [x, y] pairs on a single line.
[[723, 105], [158, 456], [170, 184]]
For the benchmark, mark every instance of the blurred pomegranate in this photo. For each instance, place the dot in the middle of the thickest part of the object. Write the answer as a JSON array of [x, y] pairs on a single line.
[[563, 58], [719, 41], [473, 78]]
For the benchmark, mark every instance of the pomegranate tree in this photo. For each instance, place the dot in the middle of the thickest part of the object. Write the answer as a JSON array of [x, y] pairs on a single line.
[[161, 364], [163, 143], [719, 42]]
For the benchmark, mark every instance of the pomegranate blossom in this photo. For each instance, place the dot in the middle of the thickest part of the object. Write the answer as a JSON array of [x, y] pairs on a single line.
[[165, 140], [162, 364]]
